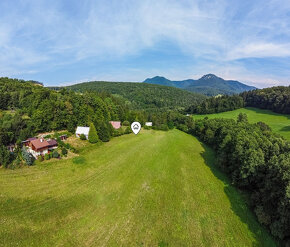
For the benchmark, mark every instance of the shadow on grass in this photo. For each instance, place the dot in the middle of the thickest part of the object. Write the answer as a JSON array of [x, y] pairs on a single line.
[[267, 112], [285, 128], [238, 202]]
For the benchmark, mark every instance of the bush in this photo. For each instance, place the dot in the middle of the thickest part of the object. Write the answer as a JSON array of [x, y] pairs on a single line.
[[40, 158], [170, 125], [118, 132], [46, 157], [104, 132], [14, 164], [128, 130], [64, 151], [93, 135], [83, 137], [126, 123], [55, 154], [27, 157], [5, 156]]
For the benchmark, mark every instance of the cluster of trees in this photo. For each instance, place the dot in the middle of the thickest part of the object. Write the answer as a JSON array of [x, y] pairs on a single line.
[[217, 104], [142, 95], [276, 99], [27, 109], [257, 161]]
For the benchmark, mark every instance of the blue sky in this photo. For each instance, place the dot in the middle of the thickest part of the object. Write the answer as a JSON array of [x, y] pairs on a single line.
[[67, 41]]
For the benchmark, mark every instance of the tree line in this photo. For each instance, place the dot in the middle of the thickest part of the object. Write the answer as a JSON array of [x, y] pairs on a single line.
[[276, 99]]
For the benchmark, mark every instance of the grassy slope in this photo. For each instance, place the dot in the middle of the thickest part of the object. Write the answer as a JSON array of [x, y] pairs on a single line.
[[278, 122], [153, 188]]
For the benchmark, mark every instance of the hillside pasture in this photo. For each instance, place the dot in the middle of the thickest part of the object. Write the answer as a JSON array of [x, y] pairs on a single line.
[[152, 189]]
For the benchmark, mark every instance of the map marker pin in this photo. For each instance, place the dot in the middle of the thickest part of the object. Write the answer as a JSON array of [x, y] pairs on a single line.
[[136, 127]]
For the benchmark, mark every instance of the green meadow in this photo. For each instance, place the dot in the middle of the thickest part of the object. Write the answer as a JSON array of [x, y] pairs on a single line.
[[154, 189], [279, 123]]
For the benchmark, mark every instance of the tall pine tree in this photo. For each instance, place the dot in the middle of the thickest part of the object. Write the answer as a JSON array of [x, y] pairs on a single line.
[[93, 135]]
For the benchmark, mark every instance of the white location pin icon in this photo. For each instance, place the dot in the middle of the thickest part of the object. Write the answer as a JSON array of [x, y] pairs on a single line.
[[136, 127]]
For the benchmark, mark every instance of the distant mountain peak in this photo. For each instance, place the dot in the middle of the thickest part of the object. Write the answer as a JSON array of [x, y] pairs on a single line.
[[159, 77], [209, 77], [208, 84]]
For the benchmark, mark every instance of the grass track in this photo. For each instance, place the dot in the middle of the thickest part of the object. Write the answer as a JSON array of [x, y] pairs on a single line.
[[156, 188], [278, 122]]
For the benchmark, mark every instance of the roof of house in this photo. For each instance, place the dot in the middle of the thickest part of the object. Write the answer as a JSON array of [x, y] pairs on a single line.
[[116, 124], [52, 143], [40, 143], [30, 139], [82, 130]]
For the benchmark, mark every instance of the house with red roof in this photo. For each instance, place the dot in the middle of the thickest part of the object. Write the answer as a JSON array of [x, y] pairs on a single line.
[[116, 124], [27, 142], [41, 146]]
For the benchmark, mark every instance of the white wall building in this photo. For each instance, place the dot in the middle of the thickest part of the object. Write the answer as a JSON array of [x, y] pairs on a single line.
[[83, 130]]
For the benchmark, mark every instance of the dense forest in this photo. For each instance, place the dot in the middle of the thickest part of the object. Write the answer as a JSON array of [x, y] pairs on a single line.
[[257, 161], [276, 99], [144, 96], [217, 104]]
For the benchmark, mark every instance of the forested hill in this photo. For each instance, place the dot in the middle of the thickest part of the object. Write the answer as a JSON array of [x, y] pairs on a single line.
[[143, 96], [276, 99], [27, 109], [209, 84]]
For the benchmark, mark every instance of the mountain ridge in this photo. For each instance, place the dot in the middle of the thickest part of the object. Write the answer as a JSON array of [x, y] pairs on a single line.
[[208, 84]]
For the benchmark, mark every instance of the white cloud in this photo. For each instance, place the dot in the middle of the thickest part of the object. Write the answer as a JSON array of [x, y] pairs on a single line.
[[260, 50]]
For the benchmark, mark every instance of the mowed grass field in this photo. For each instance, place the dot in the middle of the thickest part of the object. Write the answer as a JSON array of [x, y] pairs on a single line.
[[153, 189], [279, 123]]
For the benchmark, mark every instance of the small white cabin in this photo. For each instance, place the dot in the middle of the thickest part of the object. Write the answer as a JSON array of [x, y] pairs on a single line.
[[83, 130], [149, 124]]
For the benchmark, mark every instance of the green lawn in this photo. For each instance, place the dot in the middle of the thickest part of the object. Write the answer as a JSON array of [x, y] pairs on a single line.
[[278, 122], [153, 189]]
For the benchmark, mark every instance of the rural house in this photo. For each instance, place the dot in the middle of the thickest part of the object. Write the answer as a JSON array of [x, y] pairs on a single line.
[[27, 142], [41, 146], [116, 124], [149, 124], [82, 130]]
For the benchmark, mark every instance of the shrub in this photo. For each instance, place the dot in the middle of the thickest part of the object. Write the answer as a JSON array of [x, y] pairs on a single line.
[[104, 132], [93, 135], [5, 156], [64, 151], [126, 123], [170, 125], [27, 157], [55, 154], [83, 137], [46, 157], [40, 158], [128, 130]]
